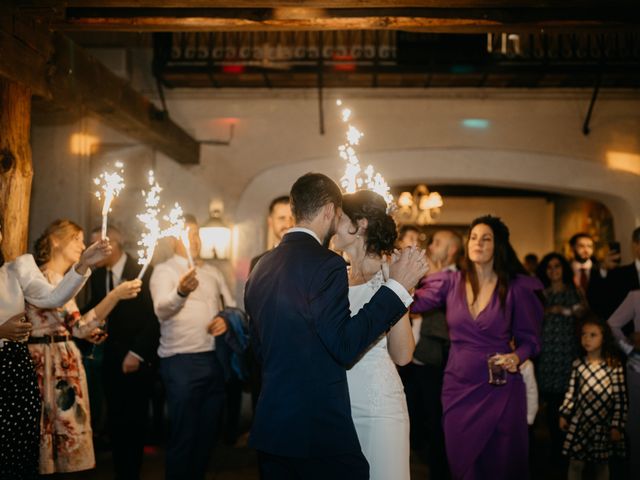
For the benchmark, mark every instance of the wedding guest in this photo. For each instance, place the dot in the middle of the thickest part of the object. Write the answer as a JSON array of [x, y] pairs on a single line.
[[563, 303], [186, 300], [622, 280], [589, 275], [279, 221], [628, 315], [130, 356], [20, 401], [408, 236], [365, 232], [593, 413], [297, 298], [66, 443], [426, 371], [488, 304], [531, 263]]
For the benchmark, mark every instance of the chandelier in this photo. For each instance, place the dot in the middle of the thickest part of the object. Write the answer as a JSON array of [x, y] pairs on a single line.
[[420, 207]]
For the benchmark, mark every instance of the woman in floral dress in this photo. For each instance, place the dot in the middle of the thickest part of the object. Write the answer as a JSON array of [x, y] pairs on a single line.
[[65, 425], [563, 303]]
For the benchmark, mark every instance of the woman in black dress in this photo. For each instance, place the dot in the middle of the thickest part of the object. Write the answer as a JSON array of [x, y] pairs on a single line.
[[562, 305]]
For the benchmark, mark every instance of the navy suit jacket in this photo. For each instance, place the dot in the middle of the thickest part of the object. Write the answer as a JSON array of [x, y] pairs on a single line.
[[304, 337]]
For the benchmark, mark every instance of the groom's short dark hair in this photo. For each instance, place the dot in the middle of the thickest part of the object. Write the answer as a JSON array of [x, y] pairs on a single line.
[[310, 193]]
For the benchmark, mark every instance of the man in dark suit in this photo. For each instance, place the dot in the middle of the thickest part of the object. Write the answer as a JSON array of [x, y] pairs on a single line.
[[623, 279], [297, 300], [589, 275], [130, 358], [279, 220]]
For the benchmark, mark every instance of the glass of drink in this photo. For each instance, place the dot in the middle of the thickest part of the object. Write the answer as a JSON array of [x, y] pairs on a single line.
[[497, 374]]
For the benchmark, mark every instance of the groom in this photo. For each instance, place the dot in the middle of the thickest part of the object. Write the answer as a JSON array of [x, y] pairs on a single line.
[[297, 299]]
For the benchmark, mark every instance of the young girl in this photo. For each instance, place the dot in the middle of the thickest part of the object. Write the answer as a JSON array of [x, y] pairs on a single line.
[[594, 409]]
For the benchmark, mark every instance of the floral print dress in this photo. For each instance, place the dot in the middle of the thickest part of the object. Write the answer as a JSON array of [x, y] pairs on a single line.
[[66, 443]]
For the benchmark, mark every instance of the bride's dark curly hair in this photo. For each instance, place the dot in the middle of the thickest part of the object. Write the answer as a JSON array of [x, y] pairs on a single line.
[[381, 232]]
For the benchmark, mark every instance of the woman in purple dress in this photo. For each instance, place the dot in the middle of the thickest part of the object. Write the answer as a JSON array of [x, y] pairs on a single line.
[[491, 302]]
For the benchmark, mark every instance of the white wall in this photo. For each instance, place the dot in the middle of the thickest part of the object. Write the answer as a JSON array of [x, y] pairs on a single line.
[[534, 140]]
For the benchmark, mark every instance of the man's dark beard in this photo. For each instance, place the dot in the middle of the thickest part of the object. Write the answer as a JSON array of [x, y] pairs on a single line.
[[580, 259], [327, 239]]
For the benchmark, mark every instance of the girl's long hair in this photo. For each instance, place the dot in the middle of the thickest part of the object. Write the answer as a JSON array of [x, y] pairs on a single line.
[[505, 261], [610, 352]]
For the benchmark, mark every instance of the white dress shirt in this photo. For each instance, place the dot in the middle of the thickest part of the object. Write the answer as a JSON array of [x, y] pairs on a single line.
[[637, 262], [184, 320]]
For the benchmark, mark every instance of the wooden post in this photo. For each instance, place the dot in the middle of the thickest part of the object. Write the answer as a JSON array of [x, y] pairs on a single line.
[[16, 169]]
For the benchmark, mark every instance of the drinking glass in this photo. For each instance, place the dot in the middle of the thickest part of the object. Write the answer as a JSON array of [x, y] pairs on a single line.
[[497, 374]]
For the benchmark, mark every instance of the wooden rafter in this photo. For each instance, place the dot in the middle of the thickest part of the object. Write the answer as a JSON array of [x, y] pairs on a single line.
[[55, 68], [438, 16], [453, 20], [323, 3]]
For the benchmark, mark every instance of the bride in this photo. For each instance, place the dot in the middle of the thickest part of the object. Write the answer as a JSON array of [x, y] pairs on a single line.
[[365, 233]]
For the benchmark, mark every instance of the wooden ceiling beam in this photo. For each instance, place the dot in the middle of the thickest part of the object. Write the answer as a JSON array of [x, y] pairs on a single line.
[[61, 4], [450, 20], [60, 71]]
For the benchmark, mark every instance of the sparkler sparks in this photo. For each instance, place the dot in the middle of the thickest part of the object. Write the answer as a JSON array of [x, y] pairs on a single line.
[[354, 177], [150, 220], [111, 184], [153, 231]]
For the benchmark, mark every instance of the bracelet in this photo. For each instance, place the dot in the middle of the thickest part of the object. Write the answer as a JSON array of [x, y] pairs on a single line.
[[180, 294]]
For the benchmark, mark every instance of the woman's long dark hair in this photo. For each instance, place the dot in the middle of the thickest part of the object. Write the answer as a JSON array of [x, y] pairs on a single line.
[[505, 261], [381, 230], [610, 352], [567, 274]]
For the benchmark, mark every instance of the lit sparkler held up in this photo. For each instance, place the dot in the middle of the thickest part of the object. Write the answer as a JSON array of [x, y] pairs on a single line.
[[355, 178], [151, 222], [111, 184], [177, 229]]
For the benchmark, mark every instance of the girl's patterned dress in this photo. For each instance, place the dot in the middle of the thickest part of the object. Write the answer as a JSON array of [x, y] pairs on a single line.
[[66, 443], [594, 404]]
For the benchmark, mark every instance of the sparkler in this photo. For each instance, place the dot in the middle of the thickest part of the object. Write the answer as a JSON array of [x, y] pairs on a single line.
[[355, 178], [111, 184], [150, 220], [178, 230]]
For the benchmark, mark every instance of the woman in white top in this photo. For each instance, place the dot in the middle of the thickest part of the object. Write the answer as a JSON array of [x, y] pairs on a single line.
[[21, 280], [365, 233]]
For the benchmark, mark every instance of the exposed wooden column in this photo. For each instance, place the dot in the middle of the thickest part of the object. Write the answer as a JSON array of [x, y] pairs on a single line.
[[16, 169]]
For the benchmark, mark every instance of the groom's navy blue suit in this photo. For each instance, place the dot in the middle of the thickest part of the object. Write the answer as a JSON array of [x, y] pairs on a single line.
[[297, 300]]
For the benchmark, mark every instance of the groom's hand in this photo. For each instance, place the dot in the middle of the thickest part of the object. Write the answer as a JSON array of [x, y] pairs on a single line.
[[188, 282], [408, 267]]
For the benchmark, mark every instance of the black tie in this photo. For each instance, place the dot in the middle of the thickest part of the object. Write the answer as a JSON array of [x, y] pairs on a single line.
[[109, 280]]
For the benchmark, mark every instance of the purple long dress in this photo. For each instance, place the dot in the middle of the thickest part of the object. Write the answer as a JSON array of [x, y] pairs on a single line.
[[485, 426]]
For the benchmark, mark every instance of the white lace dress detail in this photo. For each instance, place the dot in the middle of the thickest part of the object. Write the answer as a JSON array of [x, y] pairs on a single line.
[[378, 404]]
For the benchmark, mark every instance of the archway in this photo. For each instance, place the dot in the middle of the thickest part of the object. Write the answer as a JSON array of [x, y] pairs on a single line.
[[619, 191]]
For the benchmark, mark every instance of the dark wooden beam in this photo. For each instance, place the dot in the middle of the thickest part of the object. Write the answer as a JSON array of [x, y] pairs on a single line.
[[16, 169], [438, 20], [323, 3], [59, 70]]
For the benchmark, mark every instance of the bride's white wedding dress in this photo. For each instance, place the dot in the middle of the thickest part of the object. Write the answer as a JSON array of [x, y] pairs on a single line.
[[378, 403]]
